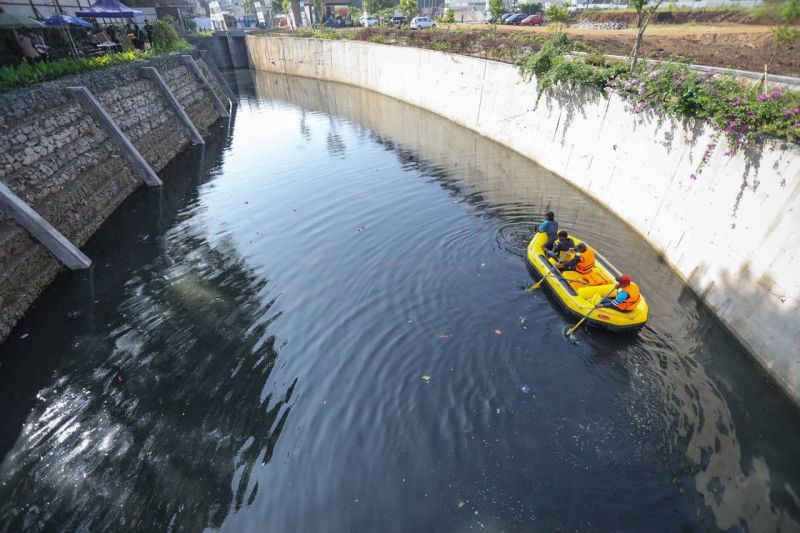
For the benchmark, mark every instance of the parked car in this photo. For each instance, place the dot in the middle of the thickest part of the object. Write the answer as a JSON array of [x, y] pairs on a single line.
[[532, 20], [368, 21], [505, 17], [421, 23], [397, 21], [516, 18]]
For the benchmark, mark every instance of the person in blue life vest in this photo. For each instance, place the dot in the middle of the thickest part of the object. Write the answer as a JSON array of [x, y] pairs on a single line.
[[626, 298], [549, 226]]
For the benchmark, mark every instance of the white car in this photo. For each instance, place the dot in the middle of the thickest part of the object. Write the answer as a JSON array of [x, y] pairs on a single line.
[[368, 21], [421, 23]]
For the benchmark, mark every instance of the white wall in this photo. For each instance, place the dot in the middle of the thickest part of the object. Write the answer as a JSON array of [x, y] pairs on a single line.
[[733, 234]]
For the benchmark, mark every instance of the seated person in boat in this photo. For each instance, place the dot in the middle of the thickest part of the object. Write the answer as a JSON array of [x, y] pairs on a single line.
[[626, 297], [549, 226], [561, 247], [583, 262]]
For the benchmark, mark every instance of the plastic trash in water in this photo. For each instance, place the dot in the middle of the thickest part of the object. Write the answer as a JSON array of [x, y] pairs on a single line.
[[498, 331], [426, 378], [525, 389]]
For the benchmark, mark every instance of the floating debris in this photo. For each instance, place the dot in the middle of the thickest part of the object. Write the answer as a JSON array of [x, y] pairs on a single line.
[[426, 378]]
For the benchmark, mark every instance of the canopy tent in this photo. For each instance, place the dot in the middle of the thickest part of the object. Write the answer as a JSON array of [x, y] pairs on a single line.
[[66, 20], [109, 9], [8, 20]]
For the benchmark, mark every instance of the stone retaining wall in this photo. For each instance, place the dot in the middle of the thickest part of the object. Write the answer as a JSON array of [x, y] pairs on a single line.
[[56, 158], [732, 234]]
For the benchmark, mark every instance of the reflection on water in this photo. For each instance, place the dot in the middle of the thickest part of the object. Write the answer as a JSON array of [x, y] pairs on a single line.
[[247, 353]]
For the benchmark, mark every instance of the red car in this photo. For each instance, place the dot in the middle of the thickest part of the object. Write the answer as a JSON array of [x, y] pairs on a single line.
[[532, 20]]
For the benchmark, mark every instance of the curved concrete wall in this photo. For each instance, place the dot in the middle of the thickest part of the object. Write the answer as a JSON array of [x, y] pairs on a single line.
[[733, 234]]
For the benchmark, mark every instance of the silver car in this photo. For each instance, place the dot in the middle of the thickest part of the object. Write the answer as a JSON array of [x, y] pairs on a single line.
[[421, 23]]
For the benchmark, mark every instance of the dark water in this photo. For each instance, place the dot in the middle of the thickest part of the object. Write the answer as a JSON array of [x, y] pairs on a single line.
[[248, 352]]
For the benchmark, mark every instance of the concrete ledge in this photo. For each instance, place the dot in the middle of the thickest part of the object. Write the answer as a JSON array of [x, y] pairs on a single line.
[[212, 66], [190, 63], [90, 103], [41, 230], [152, 74]]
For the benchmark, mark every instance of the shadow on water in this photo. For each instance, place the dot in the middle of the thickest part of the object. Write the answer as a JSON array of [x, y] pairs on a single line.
[[158, 378]]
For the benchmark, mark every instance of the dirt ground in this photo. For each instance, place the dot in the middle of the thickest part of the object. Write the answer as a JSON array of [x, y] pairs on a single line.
[[739, 46]]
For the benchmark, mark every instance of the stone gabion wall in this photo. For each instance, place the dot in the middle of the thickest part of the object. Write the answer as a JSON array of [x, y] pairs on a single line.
[[56, 158], [191, 96]]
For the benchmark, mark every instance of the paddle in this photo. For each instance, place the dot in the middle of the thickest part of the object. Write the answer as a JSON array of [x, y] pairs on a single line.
[[570, 331], [538, 284]]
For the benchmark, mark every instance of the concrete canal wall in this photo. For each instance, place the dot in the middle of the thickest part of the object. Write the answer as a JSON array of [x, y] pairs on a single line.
[[59, 160], [732, 234]]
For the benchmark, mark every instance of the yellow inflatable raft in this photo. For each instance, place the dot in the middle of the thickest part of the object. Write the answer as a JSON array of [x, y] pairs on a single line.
[[572, 292]]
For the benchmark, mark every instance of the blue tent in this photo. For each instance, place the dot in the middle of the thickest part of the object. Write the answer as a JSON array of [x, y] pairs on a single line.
[[66, 20], [109, 9]]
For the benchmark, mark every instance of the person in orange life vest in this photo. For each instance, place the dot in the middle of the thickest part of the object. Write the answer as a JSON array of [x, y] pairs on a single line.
[[549, 226], [583, 262], [627, 296]]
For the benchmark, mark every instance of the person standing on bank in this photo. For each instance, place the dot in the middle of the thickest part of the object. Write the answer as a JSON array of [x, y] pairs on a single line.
[[148, 29], [138, 41], [549, 226], [29, 52]]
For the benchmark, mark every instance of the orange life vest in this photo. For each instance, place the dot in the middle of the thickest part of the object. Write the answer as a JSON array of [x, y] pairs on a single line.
[[633, 297], [586, 263]]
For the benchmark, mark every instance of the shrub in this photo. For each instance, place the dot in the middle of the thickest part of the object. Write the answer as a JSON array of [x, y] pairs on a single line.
[[165, 35], [596, 59], [26, 74]]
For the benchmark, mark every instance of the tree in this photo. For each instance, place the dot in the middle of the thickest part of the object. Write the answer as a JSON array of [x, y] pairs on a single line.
[[407, 8], [557, 16], [496, 10], [449, 16], [319, 10], [785, 34], [286, 9], [644, 13]]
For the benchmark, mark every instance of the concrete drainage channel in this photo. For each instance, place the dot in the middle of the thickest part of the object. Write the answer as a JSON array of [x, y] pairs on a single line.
[[74, 149], [700, 226]]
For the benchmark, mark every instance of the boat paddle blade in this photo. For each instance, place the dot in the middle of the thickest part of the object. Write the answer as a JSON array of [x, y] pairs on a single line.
[[569, 335]]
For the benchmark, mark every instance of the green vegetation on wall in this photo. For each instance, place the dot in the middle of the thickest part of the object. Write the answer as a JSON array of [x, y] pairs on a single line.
[[735, 111], [165, 39]]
